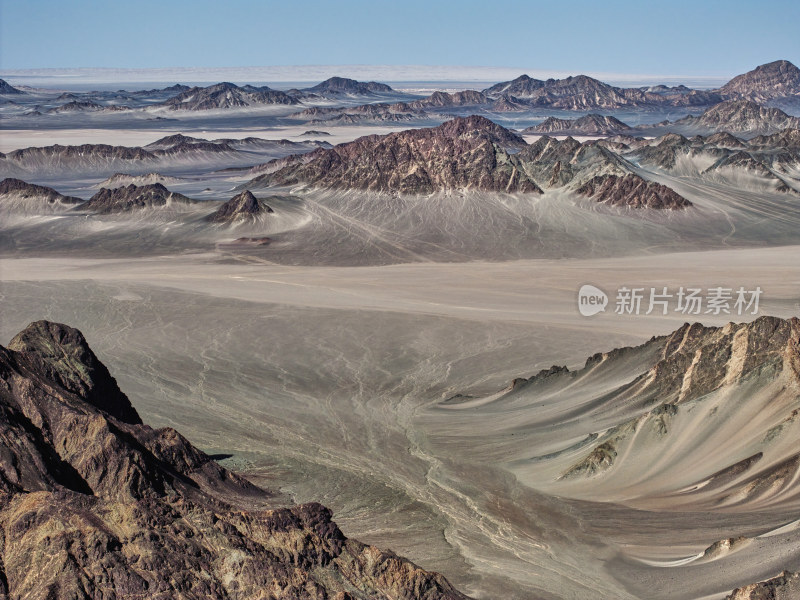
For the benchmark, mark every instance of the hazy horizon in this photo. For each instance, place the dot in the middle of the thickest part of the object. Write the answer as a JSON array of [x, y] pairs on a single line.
[[683, 39]]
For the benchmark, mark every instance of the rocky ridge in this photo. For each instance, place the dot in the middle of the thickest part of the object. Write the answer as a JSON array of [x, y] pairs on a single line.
[[17, 190], [226, 95], [94, 503], [591, 124], [8, 89], [132, 197]]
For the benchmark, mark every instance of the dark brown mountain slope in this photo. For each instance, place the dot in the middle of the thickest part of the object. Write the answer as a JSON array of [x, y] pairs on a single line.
[[463, 153], [94, 504]]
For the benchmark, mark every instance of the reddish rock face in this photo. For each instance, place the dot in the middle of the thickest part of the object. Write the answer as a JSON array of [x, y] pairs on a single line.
[[94, 503]]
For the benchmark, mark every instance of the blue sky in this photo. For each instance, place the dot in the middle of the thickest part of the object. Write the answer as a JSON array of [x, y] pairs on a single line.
[[670, 37]]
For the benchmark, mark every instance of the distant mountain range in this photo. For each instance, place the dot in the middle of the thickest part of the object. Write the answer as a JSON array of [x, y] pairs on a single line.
[[743, 117], [227, 95], [776, 82], [343, 85]]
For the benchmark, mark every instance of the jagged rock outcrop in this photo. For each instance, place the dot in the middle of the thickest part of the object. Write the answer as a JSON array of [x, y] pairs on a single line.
[[343, 85], [16, 190], [556, 163], [242, 207], [785, 586], [788, 139], [773, 158], [132, 197], [462, 153], [632, 191], [226, 95], [591, 124], [93, 503], [779, 79]]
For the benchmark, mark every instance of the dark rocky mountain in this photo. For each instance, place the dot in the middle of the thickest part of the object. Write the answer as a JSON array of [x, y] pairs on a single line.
[[16, 190], [81, 106], [521, 87], [586, 93], [556, 163], [508, 103], [93, 503], [724, 140], [469, 153], [591, 124], [462, 153], [132, 197], [773, 81], [774, 158], [64, 152], [242, 207], [342, 85], [740, 116], [313, 132], [788, 139], [6, 89], [591, 169], [226, 95], [380, 112], [173, 89], [632, 191], [446, 100], [181, 149]]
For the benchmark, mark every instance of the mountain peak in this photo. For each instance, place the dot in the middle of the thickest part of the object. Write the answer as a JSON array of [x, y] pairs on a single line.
[[774, 80], [344, 85], [62, 353], [242, 206], [7, 88]]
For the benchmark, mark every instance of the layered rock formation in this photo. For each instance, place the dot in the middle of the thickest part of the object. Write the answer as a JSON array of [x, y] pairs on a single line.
[[95, 504]]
